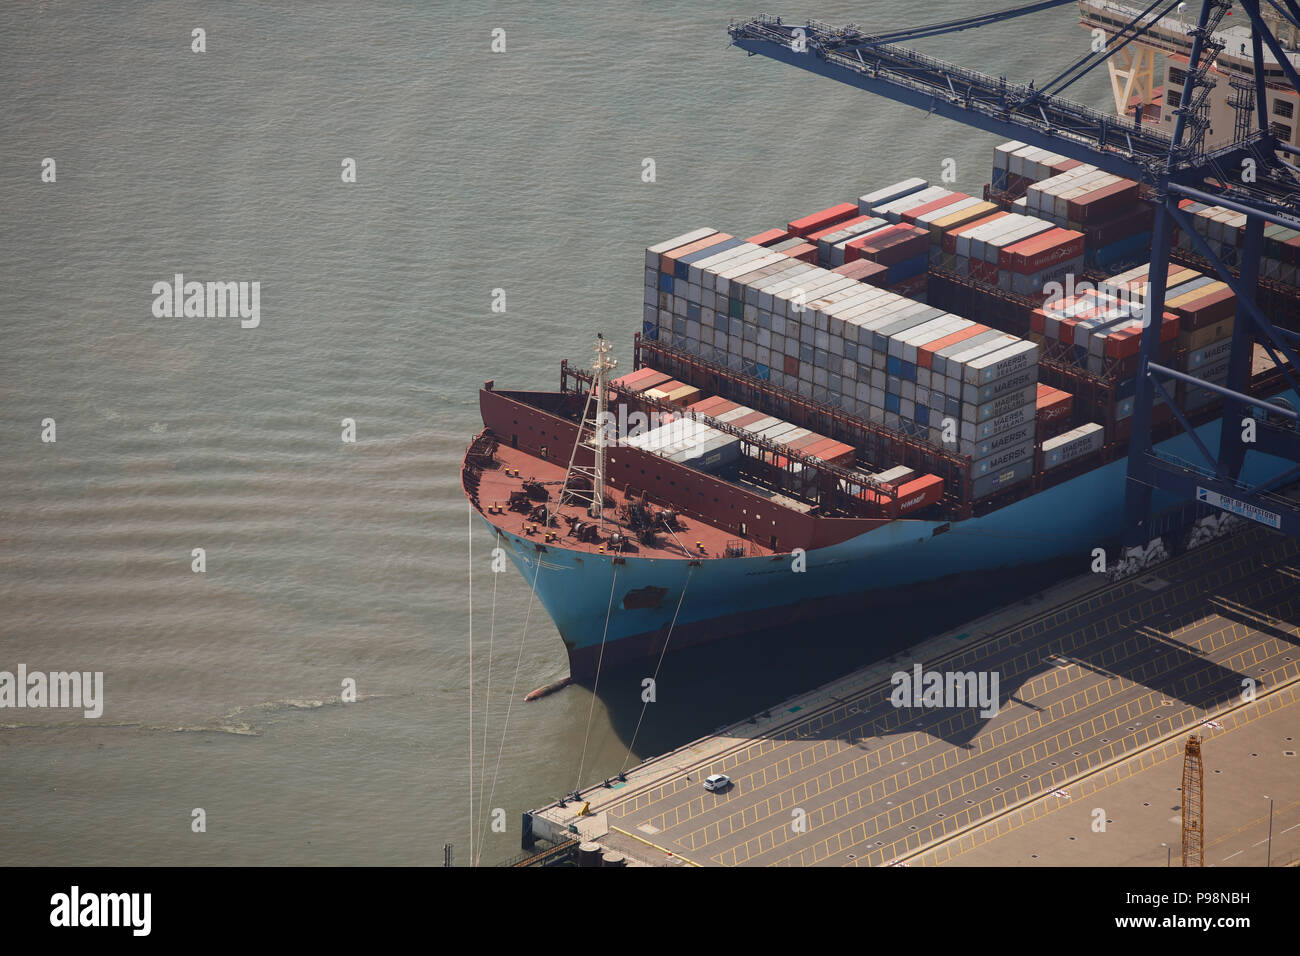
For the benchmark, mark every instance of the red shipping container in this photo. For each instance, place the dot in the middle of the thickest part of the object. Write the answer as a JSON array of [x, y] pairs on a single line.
[[710, 405], [1053, 403], [791, 365], [919, 493], [833, 452], [823, 233], [864, 270], [807, 441], [1291, 251], [892, 245], [914, 214], [1064, 166], [749, 419], [925, 353], [820, 220], [986, 272], [804, 252], [1104, 203], [652, 380], [913, 287], [1119, 227], [1205, 306], [949, 242], [668, 260], [770, 237], [631, 379], [1041, 251]]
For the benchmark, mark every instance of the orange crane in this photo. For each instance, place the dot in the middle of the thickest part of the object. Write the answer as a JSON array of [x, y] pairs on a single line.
[[1193, 805]]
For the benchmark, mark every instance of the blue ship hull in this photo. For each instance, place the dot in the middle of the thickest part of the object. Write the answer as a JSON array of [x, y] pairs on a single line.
[[728, 596]]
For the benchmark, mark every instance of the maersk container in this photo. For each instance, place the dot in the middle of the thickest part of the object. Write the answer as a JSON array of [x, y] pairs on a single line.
[[1209, 355], [996, 365], [1011, 383], [1072, 445], [1002, 423], [939, 360], [1011, 438], [996, 408], [986, 485], [956, 366], [1004, 458]]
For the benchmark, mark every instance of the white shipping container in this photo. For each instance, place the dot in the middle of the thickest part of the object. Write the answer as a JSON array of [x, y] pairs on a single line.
[[653, 253], [995, 365], [893, 210], [1001, 405], [889, 193], [695, 271], [1072, 445]]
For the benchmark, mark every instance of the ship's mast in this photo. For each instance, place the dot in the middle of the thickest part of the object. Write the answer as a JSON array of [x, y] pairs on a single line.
[[596, 440]]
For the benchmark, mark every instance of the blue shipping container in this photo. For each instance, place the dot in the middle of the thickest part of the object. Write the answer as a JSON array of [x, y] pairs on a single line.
[[907, 268]]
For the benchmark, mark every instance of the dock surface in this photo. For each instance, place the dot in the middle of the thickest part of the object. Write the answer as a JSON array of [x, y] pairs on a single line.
[[1099, 677]]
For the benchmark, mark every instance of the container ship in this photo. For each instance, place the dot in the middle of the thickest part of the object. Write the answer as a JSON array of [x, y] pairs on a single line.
[[858, 407]]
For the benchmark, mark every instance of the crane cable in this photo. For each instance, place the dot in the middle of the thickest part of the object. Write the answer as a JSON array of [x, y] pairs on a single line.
[[1084, 66], [966, 23], [511, 700], [654, 681], [599, 660]]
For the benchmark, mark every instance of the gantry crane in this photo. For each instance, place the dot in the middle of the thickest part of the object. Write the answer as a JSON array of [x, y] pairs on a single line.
[[1251, 175]]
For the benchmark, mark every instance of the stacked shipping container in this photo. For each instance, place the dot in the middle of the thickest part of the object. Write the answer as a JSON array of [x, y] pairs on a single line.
[[832, 338]]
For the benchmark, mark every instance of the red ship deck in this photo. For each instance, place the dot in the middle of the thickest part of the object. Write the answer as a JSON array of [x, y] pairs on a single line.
[[694, 538]]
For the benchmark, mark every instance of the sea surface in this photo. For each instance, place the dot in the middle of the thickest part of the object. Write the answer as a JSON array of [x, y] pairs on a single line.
[[333, 564]]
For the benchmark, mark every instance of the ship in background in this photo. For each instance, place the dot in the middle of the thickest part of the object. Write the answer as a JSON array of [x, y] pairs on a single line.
[[1147, 75], [868, 402]]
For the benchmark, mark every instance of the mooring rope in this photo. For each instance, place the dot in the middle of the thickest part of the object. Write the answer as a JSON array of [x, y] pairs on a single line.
[[596, 684], [654, 681], [487, 694], [470, 594], [511, 701]]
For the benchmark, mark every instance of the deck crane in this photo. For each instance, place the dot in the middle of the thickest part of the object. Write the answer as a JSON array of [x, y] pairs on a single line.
[[1173, 168]]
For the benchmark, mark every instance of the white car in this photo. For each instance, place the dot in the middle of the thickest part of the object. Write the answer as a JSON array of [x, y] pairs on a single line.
[[716, 782]]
